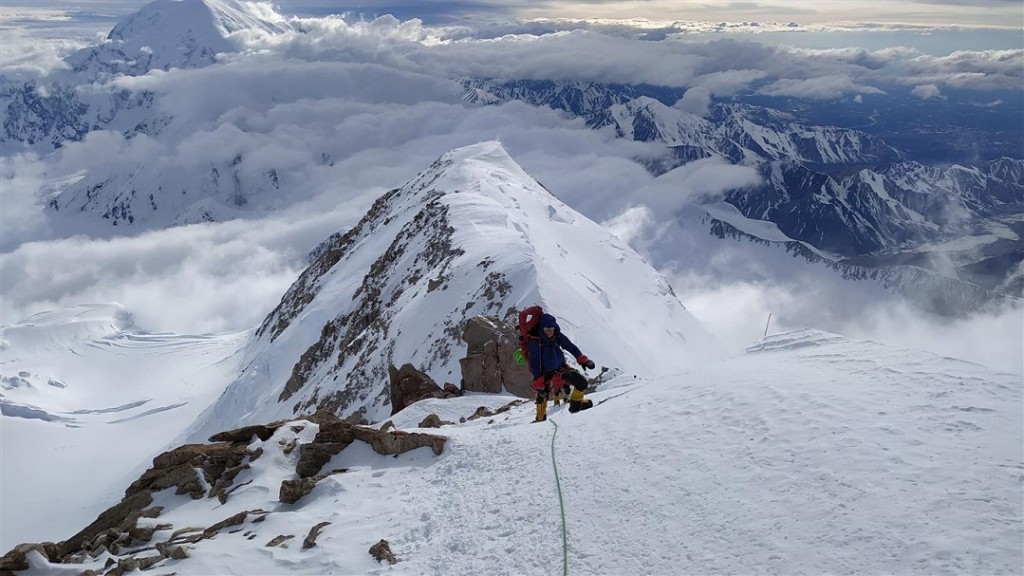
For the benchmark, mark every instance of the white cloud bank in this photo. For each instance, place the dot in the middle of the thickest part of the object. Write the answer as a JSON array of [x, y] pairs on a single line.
[[926, 91]]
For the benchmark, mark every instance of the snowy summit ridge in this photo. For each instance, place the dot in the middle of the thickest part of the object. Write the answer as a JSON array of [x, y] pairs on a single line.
[[473, 234]]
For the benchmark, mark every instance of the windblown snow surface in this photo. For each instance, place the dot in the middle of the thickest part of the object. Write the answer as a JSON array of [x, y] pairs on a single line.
[[809, 453]]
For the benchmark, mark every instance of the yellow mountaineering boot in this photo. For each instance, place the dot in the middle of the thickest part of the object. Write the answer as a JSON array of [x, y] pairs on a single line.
[[576, 401], [542, 410]]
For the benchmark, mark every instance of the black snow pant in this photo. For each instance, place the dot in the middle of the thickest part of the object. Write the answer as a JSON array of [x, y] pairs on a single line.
[[569, 376]]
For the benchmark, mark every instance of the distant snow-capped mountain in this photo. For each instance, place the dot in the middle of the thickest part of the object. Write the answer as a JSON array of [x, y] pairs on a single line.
[[169, 34], [473, 234], [150, 197], [162, 35]]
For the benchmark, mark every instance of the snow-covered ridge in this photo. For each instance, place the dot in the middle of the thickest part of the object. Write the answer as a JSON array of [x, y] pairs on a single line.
[[473, 234]]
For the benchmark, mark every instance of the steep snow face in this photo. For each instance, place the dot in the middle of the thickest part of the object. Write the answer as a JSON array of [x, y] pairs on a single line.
[[473, 234]]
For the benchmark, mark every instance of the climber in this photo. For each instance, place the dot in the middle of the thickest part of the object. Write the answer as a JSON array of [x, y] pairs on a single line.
[[551, 373]]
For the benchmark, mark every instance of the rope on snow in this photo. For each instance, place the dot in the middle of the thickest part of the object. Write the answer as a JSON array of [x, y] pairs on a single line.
[[561, 503]]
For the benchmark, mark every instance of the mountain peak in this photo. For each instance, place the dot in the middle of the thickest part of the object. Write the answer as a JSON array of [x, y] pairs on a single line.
[[471, 235], [213, 18], [169, 34]]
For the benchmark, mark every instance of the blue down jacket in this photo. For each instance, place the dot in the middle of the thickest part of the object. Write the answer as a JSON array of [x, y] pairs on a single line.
[[546, 353]]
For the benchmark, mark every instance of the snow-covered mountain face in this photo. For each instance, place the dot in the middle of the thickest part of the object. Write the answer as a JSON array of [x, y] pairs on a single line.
[[473, 234], [846, 193], [169, 34], [162, 35]]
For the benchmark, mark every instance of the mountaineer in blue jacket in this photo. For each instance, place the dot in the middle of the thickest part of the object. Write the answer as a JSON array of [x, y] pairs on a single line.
[[551, 373]]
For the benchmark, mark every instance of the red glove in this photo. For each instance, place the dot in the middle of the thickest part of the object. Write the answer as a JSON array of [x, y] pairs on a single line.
[[539, 383], [585, 362]]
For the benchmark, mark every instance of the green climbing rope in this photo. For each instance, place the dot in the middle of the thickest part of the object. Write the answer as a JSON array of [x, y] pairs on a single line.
[[561, 504]]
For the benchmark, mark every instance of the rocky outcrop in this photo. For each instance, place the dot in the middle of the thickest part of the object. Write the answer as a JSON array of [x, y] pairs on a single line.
[[209, 470], [409, 385], [381, 551], [489, 365], [314, 533], [334, 437]]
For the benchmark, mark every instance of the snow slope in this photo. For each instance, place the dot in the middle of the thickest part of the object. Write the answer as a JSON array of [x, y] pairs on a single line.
[[87, 397], [809, 453]]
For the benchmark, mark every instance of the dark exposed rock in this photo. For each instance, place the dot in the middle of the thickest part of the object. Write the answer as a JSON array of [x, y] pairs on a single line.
[[178, 468], [245, 434], [153, 512], [314, 533], [125, 565], [314, 455], [322, 417], [409, 385], [221, 488], [316, 354], [279, 541], [305, 289], [399, 442], [433, 421], [145, 533], [230, 521], [292, 490], [381, 551], [485, 412], [123, 514], [147, 562], [481, 412], [489, 365], [333, 438], [15, 559]]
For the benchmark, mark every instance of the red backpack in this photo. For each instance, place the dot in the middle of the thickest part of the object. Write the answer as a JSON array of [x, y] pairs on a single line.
[[528, 320]]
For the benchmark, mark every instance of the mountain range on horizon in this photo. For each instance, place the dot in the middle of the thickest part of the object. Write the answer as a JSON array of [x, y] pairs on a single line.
[[947, 238]]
